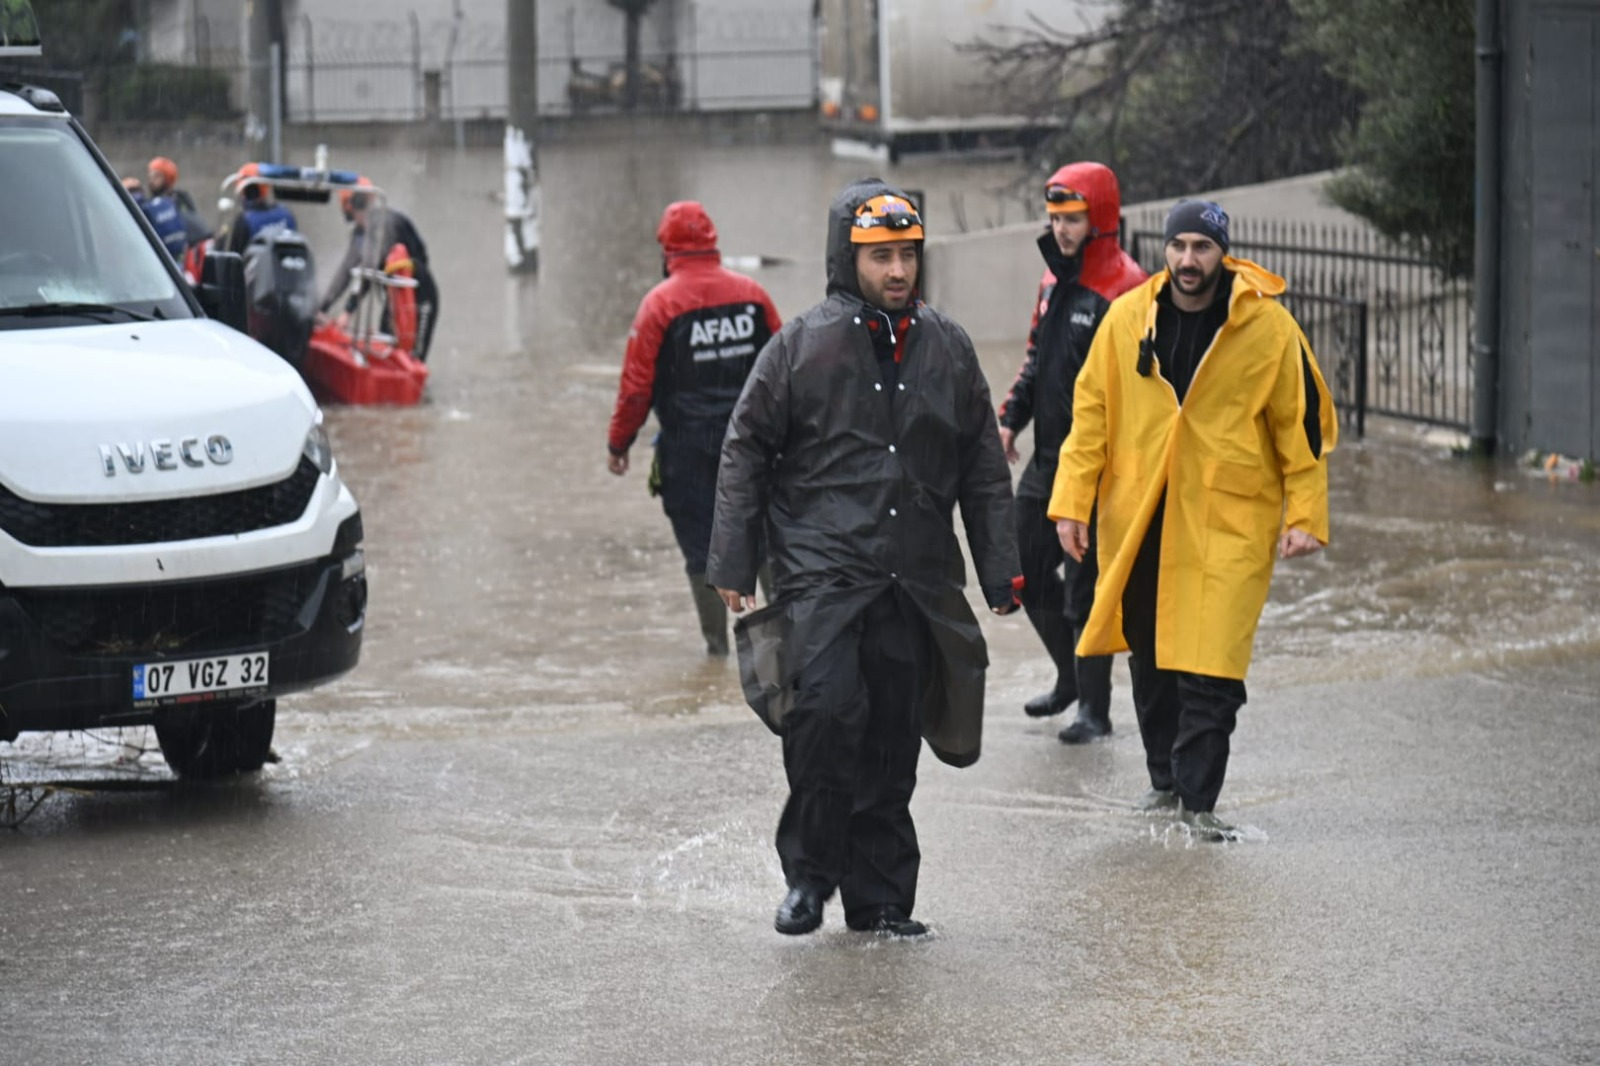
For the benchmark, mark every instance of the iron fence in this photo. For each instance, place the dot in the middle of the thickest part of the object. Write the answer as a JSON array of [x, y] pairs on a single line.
[[405, 71], [1392, 333]]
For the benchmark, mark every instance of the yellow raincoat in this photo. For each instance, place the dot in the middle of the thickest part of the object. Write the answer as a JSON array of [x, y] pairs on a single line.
[[1234, 460]]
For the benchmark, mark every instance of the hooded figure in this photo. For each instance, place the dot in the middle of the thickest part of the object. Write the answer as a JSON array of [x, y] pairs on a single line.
[[858, 433], [693, 341], [1085, 269]]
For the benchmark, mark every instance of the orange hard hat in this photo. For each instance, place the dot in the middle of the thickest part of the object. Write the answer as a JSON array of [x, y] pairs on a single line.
[[347, 196], [165, 167], [1065, 200], [886, 218]]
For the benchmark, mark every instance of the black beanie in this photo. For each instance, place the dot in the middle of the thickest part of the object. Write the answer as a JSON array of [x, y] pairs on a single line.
[[1198, 216]]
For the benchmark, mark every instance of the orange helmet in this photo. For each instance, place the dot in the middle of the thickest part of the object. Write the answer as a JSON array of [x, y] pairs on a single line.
[[347, 196], [886, 218], [165, 167], [1065, 200]]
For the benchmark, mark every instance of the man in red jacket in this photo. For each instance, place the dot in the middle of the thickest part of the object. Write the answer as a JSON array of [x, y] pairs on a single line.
[[692, 344], [1085, 269]]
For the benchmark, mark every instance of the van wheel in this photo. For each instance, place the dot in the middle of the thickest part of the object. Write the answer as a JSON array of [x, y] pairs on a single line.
[[223, 739]]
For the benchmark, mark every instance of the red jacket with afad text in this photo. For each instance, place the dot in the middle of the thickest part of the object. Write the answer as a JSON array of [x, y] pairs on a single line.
[[694, 338]]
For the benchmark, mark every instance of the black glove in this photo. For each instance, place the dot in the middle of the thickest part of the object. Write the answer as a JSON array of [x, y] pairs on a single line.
[[1003, 599]]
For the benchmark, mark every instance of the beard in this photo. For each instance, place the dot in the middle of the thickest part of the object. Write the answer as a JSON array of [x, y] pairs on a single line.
[[1197, 282]]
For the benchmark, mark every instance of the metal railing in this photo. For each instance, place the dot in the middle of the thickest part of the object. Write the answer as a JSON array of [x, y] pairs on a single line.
[[1393, 335], [403, 71]]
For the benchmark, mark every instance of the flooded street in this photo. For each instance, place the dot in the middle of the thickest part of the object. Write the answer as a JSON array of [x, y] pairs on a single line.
[[535, 825]]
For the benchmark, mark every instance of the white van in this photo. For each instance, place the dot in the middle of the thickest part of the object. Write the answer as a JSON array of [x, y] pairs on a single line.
[[176, 547]]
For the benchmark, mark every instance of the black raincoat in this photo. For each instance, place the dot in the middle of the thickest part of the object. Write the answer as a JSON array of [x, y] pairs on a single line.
[[854, 483]]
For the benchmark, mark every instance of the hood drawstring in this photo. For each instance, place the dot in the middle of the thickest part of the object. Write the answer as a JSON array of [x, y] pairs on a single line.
[[895, 339]]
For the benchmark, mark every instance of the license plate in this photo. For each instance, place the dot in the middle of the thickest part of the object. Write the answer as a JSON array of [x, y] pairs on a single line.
[[199, 679]]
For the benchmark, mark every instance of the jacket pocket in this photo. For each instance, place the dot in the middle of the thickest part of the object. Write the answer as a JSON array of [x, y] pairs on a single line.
[[1237, 479], [1234, 507]]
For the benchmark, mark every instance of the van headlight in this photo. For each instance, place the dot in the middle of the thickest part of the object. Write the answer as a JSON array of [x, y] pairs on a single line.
[[318, 449]]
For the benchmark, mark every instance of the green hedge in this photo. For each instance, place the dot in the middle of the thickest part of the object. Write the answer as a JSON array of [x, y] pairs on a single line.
[[160, 91]]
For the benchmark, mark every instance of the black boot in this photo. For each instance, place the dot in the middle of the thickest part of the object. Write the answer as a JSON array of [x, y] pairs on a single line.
[[1056, 634], [713, 615], [1094, 702], [800, 912], [890, 921]]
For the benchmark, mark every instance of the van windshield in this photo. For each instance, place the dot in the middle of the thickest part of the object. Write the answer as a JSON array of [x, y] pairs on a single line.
[[71, 252]]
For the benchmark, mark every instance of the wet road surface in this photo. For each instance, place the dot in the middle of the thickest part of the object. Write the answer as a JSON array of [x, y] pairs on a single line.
[[535, 825]]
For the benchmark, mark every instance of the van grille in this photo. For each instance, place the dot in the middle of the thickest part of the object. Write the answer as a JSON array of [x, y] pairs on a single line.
[[93, 525], [192, 615]]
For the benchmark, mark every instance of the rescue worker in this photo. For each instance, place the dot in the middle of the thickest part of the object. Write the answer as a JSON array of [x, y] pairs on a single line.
[[161, 178], [693, 342], [864, 423], [385, 226], [161, 207], [1202, 427], [1085, 269], [260, 213]]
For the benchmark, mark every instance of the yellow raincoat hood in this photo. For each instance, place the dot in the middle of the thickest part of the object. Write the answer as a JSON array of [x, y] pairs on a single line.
[[1241, 459]]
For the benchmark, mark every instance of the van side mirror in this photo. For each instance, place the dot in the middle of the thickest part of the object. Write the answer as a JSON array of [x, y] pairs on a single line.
[[221, 290]]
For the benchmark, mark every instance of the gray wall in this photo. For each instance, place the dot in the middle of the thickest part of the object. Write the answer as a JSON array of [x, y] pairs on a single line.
[[1550, 234]]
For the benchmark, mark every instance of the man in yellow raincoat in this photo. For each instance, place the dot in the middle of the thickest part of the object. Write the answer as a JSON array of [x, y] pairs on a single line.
[[1202, 424]]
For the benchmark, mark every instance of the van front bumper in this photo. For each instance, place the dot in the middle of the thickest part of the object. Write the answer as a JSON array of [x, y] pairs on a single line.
[[67, 655]]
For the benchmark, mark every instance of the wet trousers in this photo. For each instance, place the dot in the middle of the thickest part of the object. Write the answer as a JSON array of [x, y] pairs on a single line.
[[1185, 719], [689, 496], [1058, 593], [427, 313], [850, 748]]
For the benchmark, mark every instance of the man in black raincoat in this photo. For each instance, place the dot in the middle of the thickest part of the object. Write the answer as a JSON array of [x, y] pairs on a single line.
[[863, 424]]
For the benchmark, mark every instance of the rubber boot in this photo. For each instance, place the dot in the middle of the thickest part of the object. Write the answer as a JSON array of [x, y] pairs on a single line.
[[1056, 634], [713, 615], [1094, 701]]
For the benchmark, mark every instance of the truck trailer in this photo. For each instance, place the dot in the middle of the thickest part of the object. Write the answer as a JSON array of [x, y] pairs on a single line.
[[896, 75]]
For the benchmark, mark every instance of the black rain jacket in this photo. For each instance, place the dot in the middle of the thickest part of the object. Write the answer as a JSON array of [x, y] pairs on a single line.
[[854, 483], [1056, 350]]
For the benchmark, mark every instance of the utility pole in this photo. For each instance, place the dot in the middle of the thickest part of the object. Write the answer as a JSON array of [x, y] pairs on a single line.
[[258, 38], [265, 40], [522, 123]]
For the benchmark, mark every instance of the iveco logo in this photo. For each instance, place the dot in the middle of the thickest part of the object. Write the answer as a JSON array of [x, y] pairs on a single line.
[[165, 455]]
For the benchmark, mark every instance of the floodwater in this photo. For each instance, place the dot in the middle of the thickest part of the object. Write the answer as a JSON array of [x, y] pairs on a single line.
[[535, 825]]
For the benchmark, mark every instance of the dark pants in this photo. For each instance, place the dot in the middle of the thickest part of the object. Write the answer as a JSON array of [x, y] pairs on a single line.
[[427, 313], [1184, 718], [850, 748], [1058, 593], [689, 492]]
